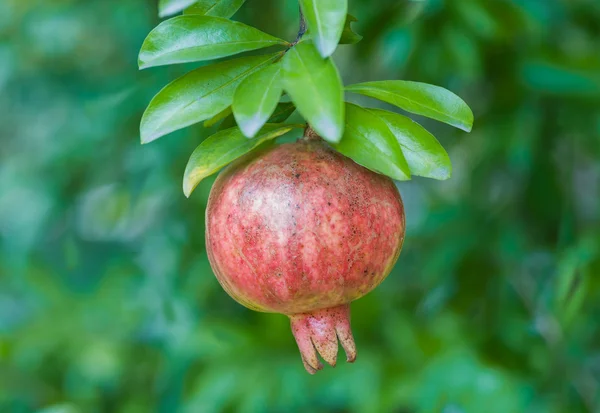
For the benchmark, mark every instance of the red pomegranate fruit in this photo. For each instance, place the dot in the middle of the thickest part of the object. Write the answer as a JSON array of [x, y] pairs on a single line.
[[300, 229]]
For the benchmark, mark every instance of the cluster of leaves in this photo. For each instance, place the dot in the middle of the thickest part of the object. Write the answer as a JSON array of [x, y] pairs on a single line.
[[245, 94]]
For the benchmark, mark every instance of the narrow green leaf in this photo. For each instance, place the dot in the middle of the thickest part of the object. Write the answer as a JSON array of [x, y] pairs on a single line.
[[218, 8], [325, 19], [368, 141], [256, 98], [197, 96], [348, 35], [170, 7], [218, 117], [283, 111], [316, 89], [421, 98], [224, 147], [424, 154], [572, 281], [571, 292], [195, 38]]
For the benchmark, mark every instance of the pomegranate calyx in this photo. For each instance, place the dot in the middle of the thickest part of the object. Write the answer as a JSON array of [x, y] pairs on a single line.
[[319, 331]]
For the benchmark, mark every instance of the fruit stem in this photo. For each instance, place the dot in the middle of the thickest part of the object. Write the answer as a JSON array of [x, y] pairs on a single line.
[[310, 135], [319, 331]]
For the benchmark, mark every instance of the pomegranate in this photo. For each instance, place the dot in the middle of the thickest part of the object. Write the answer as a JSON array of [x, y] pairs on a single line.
[[300, 229]]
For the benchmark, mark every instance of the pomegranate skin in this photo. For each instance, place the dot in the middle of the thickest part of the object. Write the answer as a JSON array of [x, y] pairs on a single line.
[[300, 229]]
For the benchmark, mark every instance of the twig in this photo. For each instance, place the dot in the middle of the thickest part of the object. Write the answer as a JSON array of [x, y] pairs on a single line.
[[302, 28]]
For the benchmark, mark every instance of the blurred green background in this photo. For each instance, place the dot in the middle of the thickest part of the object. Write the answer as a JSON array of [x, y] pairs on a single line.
[[107, 300]]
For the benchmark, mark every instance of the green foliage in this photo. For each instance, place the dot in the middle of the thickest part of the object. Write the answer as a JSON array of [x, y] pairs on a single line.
[[282, 112], [224, 147], [348, 35], [194, 38], [219, 117], [256, 98], [316, 89], [197, 96], [424, 154], [170, 7], [107, 300], [368, 140], [306, 73], [420, 98], [218, 8], [325, 20]]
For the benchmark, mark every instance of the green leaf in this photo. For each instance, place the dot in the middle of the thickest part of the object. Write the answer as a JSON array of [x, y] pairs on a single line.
[[228, 122], [348, 35], [170, 7], [224, 147], [195, 38], [218, 8], [424, 154], [316, 89], [256, 98], [325, 19], [572, 281], [368, 141], [572, 298], [197, 96], [218, 117], [421, 98], [283, 111]]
